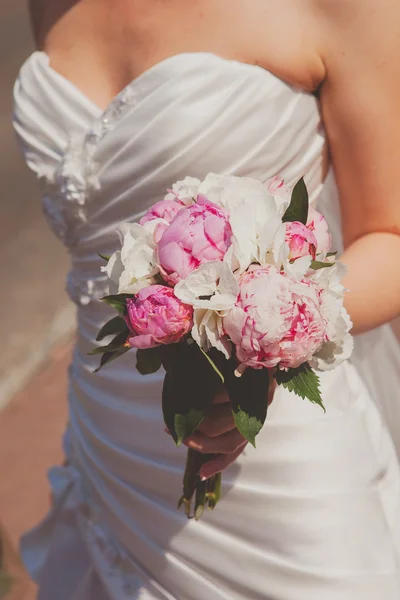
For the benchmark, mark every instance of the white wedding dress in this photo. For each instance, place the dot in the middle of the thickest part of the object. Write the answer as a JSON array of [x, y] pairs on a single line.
[[314, 512]]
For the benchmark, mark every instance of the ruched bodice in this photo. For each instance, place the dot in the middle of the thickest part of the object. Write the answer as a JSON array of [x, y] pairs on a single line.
[[314, 511], [190, 114]]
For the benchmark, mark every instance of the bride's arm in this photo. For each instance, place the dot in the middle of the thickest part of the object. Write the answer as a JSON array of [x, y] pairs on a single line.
[[361, 110]]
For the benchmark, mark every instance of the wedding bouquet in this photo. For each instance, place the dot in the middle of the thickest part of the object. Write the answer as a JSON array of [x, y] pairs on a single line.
[[228, 282]]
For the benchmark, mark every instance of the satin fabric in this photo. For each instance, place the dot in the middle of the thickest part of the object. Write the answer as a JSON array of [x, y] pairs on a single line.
[[314, 511]]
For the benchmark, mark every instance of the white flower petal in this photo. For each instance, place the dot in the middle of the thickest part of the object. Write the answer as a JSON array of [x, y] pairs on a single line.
[[267, 237], [243, 191], [135, 285], [200, 316], [231, 257], [207, 332], [299, 267], [213, 279], [213, 186], [140, 260], [150, 228], [215, 336], [281, 249], [340, 345], [331, 277], [130, 231], [114, 267], [332, 354], [132, 235], [135, 261], [185, 190], [244, 242]]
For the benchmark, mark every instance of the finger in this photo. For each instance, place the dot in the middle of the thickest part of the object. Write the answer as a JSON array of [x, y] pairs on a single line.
[[221, 397], [219, 421], [219, 463], [227, 443]]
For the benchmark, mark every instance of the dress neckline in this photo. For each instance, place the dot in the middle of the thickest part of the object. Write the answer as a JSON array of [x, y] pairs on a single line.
[[154, 71]]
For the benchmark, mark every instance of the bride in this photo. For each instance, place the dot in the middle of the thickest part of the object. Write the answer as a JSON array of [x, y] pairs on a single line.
[[258, 88]]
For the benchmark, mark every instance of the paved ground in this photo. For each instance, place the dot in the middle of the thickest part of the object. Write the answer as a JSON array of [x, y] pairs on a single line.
[[31, 428]]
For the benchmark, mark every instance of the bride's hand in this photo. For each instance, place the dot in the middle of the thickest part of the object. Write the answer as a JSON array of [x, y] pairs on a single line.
[[218, 435]]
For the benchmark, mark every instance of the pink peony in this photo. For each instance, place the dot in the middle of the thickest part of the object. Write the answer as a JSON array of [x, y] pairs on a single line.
[[301, 241], [199, 233], [318, 225], [165, 209], [276, 320], [155, 316], [276, 186]]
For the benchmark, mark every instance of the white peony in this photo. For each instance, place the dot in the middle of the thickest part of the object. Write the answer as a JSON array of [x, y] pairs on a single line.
[[214, 185], [340, 343], [212, 286], [208, 331], [251, 209], [281, 256], [340, 347], [135, 265], [281, 193], [185, 191], [212, 290]]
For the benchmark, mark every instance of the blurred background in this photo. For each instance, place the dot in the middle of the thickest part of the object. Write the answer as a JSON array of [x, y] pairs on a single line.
[[36, 321]]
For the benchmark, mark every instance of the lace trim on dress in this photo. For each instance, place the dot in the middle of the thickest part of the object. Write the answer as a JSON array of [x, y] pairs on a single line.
[[82, 290], [66, 190]]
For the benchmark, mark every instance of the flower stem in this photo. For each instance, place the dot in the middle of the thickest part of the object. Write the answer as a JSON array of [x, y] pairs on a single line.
[[214, 490], [207, 493], [201, 499]]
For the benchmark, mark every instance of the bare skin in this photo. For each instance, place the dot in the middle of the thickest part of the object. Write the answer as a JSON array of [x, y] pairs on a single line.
[[346, 50]]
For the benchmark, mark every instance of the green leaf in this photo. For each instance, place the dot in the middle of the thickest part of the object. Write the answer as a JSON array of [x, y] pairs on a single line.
[[298, 208], [249, 397], [186, 424], [190, 386], [248, 426], [110, 356], [316, 264], [116, 325], [116, 344], [303, 382], [117, 301], [104, 257], [331, 254], [148, 361]]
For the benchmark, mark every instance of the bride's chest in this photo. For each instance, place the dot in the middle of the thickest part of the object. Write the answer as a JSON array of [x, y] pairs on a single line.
[[101, 47]]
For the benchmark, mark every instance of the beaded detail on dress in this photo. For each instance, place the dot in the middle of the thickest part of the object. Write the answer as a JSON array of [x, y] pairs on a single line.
[[66, 191], [83, 291]]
